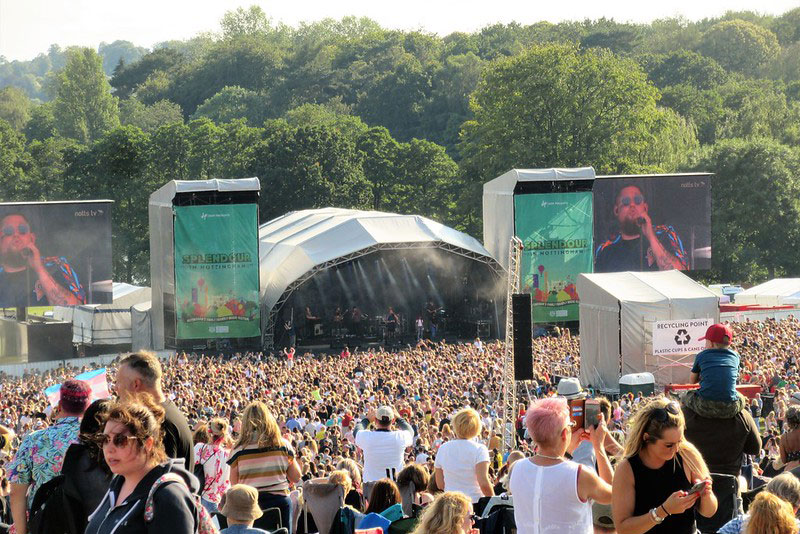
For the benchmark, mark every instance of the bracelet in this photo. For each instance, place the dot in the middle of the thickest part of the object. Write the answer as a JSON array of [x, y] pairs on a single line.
[[665, 510]]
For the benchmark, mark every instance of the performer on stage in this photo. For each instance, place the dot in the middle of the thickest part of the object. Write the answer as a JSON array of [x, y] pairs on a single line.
[[433, 318], [391, 325]]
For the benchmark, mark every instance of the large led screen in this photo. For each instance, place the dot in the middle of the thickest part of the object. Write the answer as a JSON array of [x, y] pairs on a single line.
[[216, 271], [55, 254], [556, 232], [651, 223]]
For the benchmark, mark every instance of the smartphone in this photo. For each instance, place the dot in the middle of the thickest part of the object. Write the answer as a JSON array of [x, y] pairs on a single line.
[[576, 407], [591, 411], [697, 488]]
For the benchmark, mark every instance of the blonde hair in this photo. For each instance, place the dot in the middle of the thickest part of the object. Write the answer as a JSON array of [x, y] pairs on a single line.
[[259, 427], [769, 514], [341, 478], [466, 423], [352, 469], [642, 422], [444, 515]]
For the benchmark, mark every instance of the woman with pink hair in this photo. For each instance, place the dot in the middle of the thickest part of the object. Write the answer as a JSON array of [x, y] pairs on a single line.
[[552, 493]]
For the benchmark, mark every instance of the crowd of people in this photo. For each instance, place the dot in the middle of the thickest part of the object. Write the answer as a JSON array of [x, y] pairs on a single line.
[[249, 432]]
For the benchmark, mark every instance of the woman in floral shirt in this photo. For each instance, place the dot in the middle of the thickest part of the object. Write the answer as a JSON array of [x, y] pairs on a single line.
[[213, 455]]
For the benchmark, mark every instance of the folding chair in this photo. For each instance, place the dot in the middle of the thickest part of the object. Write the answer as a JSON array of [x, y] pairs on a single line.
[[323, 502]]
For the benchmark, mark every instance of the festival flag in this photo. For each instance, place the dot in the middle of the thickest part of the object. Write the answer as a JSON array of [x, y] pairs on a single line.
[[97, 383]]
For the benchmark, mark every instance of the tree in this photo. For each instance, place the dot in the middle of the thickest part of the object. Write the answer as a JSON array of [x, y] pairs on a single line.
[[426, 178], [756, 209], [204, 142], [379, 151], [149, 118], [84, 107], [309, 167], [15, 107], [683, 67], [113, 53], [133, 74], [170, 151], [333, 114], [14, 163], [233, 103], [42, 123], [740, 46], [787, 27], [245, 22]]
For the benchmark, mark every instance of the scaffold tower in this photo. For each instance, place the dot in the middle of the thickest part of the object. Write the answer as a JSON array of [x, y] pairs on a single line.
[[509, 385]]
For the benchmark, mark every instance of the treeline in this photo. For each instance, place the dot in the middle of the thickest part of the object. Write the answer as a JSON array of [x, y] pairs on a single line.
[[350, 114]]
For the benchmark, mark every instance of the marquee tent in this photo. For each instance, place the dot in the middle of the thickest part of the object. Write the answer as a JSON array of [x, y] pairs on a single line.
[[104, 324], [617, 311], [777, 292], [296, 246], [498, 203]]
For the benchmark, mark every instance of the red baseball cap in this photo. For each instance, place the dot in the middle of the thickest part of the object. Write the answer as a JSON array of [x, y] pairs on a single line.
[[717, 333]]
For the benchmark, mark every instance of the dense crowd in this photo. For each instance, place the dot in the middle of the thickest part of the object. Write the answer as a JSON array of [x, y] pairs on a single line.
[[319, 401]]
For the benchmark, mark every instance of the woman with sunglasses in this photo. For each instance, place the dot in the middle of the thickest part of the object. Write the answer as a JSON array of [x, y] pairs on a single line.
[[552, 493], [449, 513], [652, 484], [133, 450]]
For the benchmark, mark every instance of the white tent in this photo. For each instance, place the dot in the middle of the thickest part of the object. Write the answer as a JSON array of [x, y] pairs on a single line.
[[498, 203], [104, 324], [616, 314], [777, 292], [295, 246]]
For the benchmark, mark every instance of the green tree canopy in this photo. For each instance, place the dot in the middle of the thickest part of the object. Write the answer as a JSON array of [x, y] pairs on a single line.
[[740, 46], [15, 107], [84, 108]]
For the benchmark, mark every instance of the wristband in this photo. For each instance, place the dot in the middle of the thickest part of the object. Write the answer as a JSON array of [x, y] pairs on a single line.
[[665, 510]]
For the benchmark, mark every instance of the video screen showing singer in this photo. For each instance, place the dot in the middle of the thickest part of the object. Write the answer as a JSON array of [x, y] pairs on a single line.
[[640, 245], [26, 277]]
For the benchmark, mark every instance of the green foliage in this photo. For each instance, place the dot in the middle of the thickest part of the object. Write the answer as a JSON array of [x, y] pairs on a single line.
[[15, 107], [740, 46], [756, 209], [683, 67], [84, 108], [42, 124], [135, 74], [233, 103], [14, 163], [149, 118], [787, 27], [119, 51], [245, 22]]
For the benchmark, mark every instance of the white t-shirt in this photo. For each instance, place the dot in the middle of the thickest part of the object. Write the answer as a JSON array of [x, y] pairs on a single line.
[[383, 452], [457, 459]]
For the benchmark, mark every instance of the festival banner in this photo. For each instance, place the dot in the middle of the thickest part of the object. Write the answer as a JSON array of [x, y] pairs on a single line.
[[556, 231], [96, 380], [216, 271]]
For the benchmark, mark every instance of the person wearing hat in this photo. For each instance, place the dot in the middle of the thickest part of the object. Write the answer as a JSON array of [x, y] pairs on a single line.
[[383, 448], [716, 369], [49, 446], [240, 507], [716, 413]]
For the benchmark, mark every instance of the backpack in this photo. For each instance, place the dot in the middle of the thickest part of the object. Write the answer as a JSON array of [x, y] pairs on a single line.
[[51, 512], [205, 525], [200, 472]]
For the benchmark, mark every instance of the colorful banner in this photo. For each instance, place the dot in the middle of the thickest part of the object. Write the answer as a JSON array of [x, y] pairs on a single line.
[[97, 382], [556, 230], [216, 271]]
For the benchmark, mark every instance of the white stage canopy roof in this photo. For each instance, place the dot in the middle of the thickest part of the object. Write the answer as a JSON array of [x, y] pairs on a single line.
[[777, 292], [295, 246]]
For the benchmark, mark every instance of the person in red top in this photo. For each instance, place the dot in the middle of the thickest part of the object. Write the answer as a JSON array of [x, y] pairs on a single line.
[[345, 352], [347, 419]]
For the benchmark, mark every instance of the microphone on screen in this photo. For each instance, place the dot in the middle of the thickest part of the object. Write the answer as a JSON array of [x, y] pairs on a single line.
[[640, 221], [27, 253]]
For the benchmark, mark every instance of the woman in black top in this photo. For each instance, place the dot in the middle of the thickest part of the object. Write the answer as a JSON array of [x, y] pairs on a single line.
[[650, 491]]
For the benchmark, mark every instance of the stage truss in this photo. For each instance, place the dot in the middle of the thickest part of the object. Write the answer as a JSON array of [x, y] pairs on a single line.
[[268, 330], [509, 385]]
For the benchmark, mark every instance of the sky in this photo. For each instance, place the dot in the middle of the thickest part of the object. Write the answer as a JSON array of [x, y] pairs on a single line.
[[29, 27]]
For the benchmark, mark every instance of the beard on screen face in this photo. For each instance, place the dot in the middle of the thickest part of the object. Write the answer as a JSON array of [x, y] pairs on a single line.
[[631, 227]]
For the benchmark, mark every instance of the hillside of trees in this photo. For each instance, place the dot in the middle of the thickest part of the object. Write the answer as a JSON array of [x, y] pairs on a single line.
[[350, 114]]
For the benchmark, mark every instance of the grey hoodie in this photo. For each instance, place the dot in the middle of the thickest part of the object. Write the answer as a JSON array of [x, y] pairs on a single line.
[[174, 508]]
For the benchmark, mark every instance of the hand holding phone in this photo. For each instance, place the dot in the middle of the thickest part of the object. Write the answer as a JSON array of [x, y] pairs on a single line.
[[697, 488]]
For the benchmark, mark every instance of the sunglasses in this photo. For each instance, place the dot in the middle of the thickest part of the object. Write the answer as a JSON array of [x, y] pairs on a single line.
[[119, 440], [662, 414], [626, 201], [475, 518], [22, 229]]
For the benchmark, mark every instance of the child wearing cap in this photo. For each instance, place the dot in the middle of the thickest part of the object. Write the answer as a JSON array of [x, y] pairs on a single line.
[[716, 369], [240, 507]]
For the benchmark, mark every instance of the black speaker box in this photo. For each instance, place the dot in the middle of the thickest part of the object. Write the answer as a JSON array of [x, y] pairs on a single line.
[[523, 350]]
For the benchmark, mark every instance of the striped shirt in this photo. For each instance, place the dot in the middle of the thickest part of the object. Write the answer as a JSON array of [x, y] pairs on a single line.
[[264, 468]]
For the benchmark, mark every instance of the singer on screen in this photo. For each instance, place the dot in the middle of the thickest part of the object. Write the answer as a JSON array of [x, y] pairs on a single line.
[[640, 245], [27, 278]]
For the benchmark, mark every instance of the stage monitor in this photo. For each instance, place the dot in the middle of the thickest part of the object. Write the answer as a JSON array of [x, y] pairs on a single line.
[[556, 232], [55, 253], [651, 223], [216, 271]]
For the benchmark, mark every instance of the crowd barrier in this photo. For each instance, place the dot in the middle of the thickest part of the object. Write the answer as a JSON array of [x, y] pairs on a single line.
[[18, 369]]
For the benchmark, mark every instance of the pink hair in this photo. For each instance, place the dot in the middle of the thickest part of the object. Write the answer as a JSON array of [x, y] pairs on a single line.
[[546, 418]]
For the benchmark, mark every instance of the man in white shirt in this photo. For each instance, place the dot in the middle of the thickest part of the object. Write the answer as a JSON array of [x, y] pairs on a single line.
[[383, 448]]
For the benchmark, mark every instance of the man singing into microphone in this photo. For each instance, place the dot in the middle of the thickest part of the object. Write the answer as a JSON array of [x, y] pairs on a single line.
[[27, 279], [639, 245]]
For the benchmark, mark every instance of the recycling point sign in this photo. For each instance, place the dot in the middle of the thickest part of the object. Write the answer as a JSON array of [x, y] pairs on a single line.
[[679, 336]]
